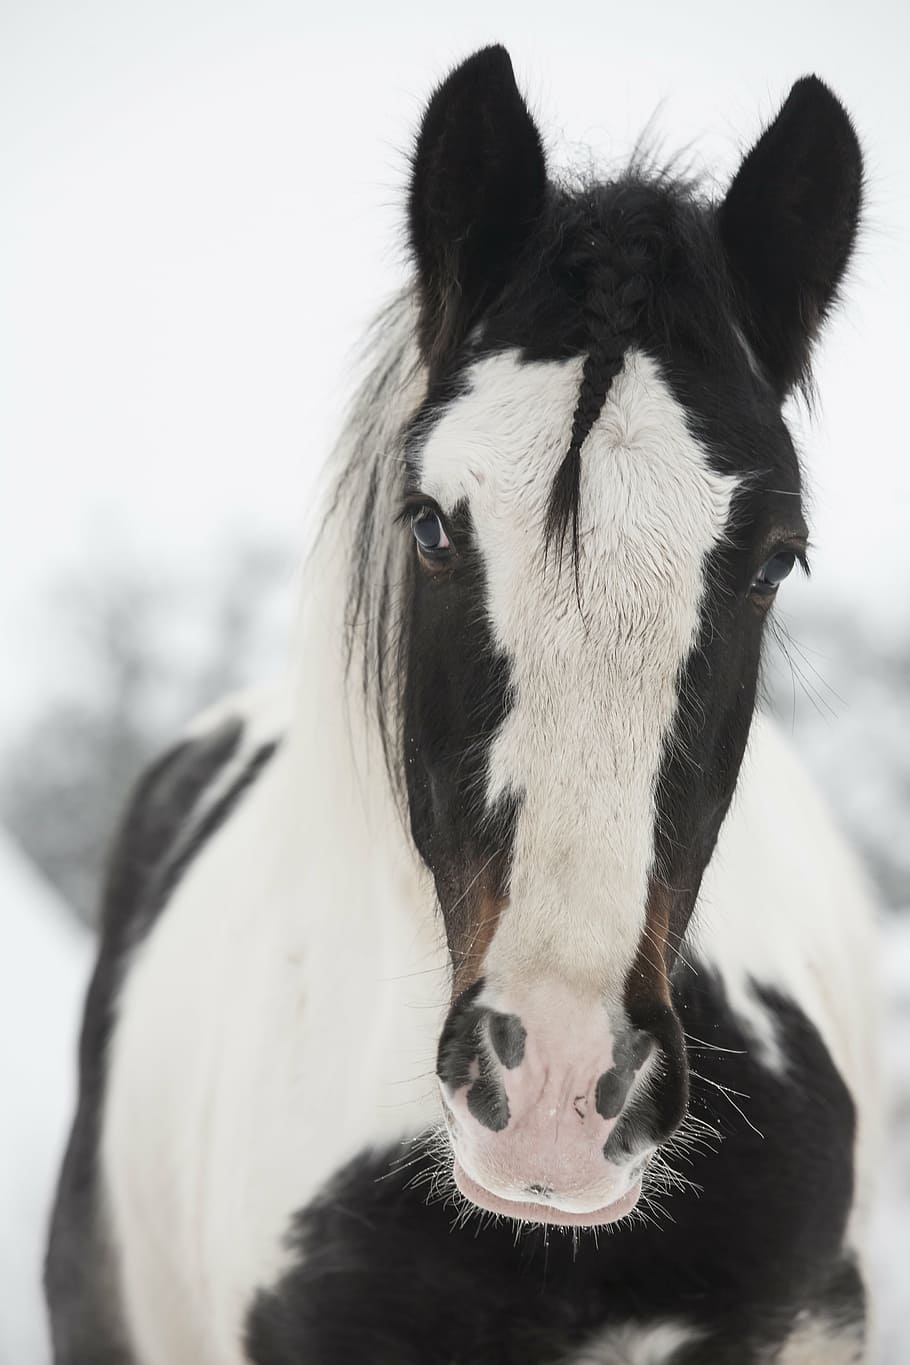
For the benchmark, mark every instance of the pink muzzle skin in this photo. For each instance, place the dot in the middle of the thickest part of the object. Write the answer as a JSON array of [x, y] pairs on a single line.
[[528, 1212], [534, 1100]]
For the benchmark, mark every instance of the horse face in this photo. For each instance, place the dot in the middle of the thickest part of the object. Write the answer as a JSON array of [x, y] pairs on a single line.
[[602, 498]]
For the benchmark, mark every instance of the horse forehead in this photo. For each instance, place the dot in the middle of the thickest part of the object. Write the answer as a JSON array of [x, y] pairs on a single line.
[[507, 433], [652, 505], [503, 435]]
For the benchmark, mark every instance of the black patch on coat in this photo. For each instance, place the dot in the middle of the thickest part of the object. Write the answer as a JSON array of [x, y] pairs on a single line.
[[745, 436], [155, 846], [384, 1276]]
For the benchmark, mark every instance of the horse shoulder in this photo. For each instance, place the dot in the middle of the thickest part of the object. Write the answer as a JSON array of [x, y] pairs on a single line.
[[267, 998], [180, 804], [786, 915], [784, 904]]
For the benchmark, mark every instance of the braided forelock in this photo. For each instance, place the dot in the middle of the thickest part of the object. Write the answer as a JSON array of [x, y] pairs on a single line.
[[618, 279]]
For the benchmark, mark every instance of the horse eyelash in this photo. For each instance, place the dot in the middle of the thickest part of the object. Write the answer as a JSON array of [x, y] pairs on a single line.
[[801, 552], [415, 502]]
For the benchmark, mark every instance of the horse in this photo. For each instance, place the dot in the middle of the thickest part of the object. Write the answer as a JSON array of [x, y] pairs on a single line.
[[497, 987]]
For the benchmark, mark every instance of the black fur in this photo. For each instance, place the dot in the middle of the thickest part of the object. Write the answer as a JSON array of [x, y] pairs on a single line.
[[508, 1036], [630, 1051], [457, 693], [789, 223], [158, 841], [657, 1109], [478, 184], [386, 1276]]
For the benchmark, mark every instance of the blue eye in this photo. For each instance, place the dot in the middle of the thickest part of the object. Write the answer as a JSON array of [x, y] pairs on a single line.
[[430, 533], [773, 572]]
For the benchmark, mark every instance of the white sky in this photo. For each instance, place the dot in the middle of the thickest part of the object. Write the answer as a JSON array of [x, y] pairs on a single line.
[[201, 208]]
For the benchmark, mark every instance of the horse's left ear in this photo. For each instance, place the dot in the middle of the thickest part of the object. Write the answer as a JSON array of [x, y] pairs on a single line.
[[478, 185], [789, 224]]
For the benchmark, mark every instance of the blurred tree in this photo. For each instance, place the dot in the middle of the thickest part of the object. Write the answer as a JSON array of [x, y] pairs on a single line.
[[141, 659]]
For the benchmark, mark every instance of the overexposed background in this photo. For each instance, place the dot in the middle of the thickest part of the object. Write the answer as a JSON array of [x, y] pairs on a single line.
[[202, 208]]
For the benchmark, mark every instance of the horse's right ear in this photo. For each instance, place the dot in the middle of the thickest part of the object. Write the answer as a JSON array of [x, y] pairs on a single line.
[[478, 184]]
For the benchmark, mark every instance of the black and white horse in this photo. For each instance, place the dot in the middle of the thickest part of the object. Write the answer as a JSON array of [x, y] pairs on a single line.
[[508, 920]]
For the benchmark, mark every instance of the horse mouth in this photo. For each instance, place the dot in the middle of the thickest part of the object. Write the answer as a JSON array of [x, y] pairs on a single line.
[[530, 1212]]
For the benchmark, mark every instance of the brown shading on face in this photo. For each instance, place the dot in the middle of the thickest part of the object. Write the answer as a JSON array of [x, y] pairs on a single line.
[[651, 1012], [647, 982], [470, 927]]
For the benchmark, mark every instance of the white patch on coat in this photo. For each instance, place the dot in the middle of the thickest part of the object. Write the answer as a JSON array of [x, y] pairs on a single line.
[[595, 690], [283, 1013], [635, 1344], [834, 930], [281, 1017], [816, 1340], [785, 905]]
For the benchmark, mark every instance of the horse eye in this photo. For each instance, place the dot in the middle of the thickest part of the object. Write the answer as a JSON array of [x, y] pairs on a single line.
[[429, 532], [773, 571]]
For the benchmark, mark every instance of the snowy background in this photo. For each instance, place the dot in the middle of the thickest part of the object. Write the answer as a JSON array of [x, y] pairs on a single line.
[[201, 210]]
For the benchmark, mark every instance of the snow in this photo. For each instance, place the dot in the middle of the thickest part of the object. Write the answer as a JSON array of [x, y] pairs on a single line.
[[891, 1239], [43, 975], [44, 966]]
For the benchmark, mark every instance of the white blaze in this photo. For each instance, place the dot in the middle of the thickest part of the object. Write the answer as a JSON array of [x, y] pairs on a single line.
[[595, 690]]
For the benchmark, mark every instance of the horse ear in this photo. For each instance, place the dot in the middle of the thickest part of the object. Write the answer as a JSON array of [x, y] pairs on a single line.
[[789, 224], [478, 184]]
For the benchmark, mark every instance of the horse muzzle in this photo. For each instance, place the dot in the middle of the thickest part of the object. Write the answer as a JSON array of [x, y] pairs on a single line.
[[552, 1110]]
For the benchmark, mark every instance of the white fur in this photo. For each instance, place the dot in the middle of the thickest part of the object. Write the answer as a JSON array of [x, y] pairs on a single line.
[[818, 1341], [633, 1344], [784, 904], [281, 1017], [814, 1341], [283, 1013]]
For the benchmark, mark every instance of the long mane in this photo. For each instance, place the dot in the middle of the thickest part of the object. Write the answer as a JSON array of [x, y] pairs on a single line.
[[367, 478]]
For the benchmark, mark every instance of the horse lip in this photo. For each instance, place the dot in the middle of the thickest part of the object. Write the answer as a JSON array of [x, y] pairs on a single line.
[[530, 1212]]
